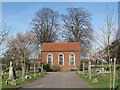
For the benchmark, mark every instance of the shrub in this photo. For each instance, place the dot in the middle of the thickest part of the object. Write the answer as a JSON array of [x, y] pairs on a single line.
[[86, 67], [55, 68], [46, 67], [107, 68], [80, 67]]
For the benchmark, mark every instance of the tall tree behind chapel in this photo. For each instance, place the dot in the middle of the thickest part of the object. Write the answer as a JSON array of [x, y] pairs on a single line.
[[78, 28]]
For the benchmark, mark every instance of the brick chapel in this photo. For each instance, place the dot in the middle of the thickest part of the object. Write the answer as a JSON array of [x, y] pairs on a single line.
[[66, 55]]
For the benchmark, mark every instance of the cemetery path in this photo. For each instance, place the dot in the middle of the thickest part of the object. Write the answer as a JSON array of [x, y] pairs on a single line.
[[58, 80]]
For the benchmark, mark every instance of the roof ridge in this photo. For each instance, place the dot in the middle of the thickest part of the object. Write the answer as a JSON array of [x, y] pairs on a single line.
[[60, 43]]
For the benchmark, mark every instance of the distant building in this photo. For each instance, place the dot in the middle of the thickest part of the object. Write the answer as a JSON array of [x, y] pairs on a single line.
[[66, 55]]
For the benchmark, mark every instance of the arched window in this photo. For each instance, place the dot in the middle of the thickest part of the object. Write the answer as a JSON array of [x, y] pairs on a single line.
[[72, 59], [49, 59], [61, 59]]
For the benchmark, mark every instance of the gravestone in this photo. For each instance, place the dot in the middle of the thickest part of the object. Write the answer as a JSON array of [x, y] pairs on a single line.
[[26, 77], [6, 83], [13, 82], [44, 71], [31, 77], [1, 73], [95, 80], [86, 76], [12, 74], [40, 73], [20, 78]]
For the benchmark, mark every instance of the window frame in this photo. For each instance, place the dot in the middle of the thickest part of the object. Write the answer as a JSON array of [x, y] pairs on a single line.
[[58, 59], [69, 59], [51, 57]]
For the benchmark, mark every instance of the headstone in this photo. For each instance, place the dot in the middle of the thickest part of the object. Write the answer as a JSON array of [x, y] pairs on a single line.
[[86, 76], [30, 77], [79, 72], [26, 77], [40, 73], [12, 74], [95, 80], [44, 71], [1, 73], [6, 82], [20, 77], [13, 82], [98, 72]]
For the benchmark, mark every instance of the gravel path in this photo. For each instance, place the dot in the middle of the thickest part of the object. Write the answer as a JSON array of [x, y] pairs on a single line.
[[58, 80]]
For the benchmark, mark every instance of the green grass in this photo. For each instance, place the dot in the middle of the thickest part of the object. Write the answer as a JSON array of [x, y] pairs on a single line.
[[103, 80], [19, 81]]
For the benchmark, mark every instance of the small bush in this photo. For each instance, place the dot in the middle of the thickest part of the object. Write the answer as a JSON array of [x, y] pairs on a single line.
[[55, 68], [86, 67], [80, 67], [107, 68], [46, 67]]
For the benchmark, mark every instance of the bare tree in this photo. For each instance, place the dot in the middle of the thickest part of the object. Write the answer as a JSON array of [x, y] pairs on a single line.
[[45, 26], [4, 31], [23, 46], [78, 27], [105, 39]]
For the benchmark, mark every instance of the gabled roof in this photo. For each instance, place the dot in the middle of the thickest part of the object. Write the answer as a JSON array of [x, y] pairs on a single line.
[[73, 46]]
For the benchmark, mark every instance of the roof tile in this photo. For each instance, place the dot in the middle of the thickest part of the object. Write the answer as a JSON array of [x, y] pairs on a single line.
[[61, 46]]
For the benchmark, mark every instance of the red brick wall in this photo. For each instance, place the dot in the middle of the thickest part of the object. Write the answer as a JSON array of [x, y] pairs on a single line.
[[66, 65], [38, 64]]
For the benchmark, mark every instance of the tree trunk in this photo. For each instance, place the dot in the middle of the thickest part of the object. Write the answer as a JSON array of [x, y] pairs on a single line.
[[114, 73], [89, 69], [42, 68], [119, 77], [27, 70], [102, 69], [83, 68], [34, 70], [23, 72], [110, 74]]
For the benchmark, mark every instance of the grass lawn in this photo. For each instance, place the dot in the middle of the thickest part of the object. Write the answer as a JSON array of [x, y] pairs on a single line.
[[103, 80], [19, 81]]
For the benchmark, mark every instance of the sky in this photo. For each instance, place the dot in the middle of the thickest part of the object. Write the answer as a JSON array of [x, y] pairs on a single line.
[[20, 14]]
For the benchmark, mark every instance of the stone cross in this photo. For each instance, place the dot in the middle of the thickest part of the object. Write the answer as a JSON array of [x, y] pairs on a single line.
[[12, 74]]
